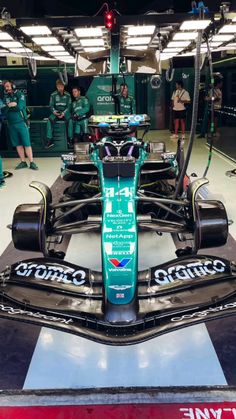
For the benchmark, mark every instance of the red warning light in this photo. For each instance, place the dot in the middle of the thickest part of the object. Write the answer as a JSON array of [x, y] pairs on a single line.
[[109, 20]]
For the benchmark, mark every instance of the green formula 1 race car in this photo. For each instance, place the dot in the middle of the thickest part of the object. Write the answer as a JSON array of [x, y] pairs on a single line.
[[119, 186]]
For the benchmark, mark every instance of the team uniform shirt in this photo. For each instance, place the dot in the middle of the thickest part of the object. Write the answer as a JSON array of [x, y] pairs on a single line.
[[80, 107], [16, 119], [60, 103], [17, 113], [127, 105], [180, 94]]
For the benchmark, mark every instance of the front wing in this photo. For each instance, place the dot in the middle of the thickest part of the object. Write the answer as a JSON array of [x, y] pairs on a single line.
[[63, 296]]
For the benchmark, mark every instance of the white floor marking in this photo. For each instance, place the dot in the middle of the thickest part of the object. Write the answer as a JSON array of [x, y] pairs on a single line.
[[182, 358], [185, 357]]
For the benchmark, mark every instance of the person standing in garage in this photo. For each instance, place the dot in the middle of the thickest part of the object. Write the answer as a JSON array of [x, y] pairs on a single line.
[[60, 104], [78, 125], [2, 182], [127, 102], [179, 99], [14, 110]]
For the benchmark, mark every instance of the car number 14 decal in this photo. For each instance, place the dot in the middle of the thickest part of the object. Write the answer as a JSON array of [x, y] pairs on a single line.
[[126, 192]]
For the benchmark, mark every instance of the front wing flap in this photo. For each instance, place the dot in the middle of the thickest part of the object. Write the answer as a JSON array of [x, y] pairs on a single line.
[[63, 296]]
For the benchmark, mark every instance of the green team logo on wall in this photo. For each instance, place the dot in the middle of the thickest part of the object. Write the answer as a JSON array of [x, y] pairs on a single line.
[[99, 93]]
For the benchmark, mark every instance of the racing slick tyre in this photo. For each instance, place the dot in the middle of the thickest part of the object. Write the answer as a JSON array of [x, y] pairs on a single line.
[[211, 224], [28, 228]]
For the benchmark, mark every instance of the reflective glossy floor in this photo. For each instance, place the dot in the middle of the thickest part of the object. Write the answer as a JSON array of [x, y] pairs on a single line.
[[33, 357]]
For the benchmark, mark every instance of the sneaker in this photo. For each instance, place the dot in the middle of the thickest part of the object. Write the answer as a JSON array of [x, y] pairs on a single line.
[[201, 136], [21, 165], [174, 137], [33, 166], [49, 144], [2, 183]]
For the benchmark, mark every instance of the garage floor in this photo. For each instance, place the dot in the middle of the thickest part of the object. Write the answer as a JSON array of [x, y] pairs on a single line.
[[32, 357]]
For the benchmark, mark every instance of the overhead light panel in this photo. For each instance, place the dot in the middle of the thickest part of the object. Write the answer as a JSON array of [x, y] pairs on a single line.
[[222, 38], [190, 25], [139, 40], [3, 51], [179, 44], [48, 40], [183, 36], [13, 44], [63, 58], [59, 53], [20, 50], [41, 58], [228, 47], [87, 32], [215, 44], [70, 60], [188, 54], [99, 42], [36, 30], [166, 56], [93, 49], [51, 48], [139, 47], [228, 29], [169, 50], [203, 50], [141, 30], [4, 36]]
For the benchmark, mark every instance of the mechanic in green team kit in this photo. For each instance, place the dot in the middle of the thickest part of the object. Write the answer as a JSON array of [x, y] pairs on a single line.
[[60, 104], [127, 102], [14, 110], [78, 125]]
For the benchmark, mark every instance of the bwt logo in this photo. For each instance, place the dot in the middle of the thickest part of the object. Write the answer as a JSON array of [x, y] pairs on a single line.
[[119, 263]]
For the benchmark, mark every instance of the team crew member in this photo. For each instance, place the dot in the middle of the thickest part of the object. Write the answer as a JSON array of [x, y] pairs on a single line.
[[60, 103], [78, 125], [217, 94], [179, 99], [15, 112], [127, 103], [218, 85], [2, 182]]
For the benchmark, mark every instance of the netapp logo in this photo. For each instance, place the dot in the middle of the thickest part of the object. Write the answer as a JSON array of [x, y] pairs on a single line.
[[190, 271], [51, 273], [105, 99]]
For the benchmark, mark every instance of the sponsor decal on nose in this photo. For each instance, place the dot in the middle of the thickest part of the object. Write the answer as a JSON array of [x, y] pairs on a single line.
[[120, 263]]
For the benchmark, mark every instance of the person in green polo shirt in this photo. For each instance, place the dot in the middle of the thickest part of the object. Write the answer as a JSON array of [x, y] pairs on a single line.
[[78, 125], [127, 102], [60, 104], [14, 109]]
